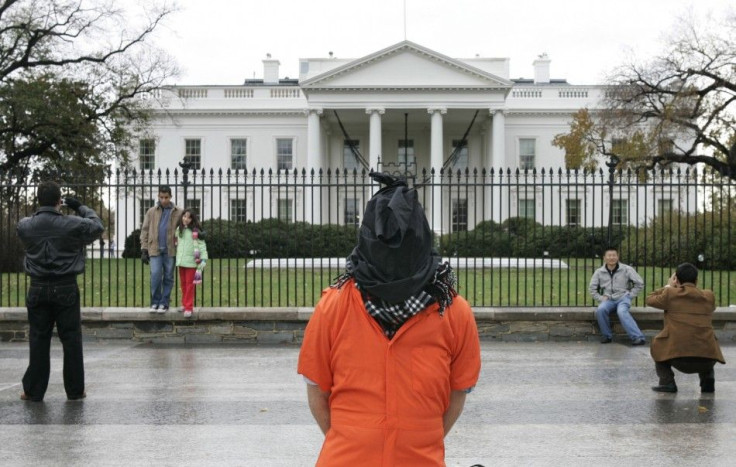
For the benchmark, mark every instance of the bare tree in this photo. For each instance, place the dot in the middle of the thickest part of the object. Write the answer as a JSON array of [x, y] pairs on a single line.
[[678, 107], [91, 61]]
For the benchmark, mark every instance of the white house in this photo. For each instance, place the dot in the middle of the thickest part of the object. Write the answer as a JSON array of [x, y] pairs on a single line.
[[404, 108]]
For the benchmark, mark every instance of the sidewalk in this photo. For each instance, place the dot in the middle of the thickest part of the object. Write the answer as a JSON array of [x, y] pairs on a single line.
[[564, 403]]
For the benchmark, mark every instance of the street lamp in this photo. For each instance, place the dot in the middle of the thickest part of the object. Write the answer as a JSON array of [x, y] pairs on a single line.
[[185, 167], [611, 164]]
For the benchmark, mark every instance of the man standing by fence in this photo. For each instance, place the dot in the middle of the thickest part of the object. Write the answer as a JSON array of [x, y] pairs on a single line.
[[614, 285], [55, 254], [391, 350], [158, 248]]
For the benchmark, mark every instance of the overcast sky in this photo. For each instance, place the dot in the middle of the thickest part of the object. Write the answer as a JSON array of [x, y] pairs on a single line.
[[224, 41]]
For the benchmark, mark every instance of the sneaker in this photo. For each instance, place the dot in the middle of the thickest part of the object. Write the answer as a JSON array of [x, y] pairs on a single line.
[[639, 342], [606, 340], [163, 309], [188, 313], [153, 309]]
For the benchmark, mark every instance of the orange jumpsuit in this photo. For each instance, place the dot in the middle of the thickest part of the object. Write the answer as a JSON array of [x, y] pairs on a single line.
[[387, 396]]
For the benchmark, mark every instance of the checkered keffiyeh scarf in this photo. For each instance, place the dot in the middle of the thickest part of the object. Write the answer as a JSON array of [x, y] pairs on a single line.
[[392, 316]]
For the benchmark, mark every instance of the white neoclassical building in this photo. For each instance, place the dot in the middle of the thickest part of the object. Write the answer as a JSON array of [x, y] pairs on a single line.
[[404, 108]]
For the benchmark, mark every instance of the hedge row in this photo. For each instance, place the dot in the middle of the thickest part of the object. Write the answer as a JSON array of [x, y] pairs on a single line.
[[525, 238], [666, 241], [269, 238]]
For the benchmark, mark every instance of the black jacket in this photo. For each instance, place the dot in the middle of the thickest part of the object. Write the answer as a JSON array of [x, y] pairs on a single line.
[[54, 243]]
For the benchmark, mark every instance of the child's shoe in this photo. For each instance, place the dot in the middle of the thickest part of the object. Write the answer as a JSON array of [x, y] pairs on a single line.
[[188, 313]]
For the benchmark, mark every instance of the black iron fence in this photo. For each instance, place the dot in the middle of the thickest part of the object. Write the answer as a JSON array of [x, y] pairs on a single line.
[[515, 238]]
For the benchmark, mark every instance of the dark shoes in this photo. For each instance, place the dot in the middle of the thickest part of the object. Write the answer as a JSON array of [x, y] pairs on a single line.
[[606, 340], [26, 397], [708, 385], [639, 342], [76, 398], [672, 387]]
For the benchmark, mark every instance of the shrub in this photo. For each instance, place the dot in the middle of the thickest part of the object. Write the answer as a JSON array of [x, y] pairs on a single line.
[[268, 238], [676, 237]]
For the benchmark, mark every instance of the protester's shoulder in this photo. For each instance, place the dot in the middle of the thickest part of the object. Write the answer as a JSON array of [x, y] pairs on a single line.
[[459, 308], [334, 299]]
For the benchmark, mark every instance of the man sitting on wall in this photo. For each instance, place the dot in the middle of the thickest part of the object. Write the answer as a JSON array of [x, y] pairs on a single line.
[[614, 285]]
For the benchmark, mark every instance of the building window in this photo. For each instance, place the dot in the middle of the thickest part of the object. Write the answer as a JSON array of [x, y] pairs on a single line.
[[527, 208], [461, 159], [352, 214], [664, 206], [237, 210], [527, 153], [193, 153], [147, 154], [146, 204], [406, 154], [349, 160], [572, 212], [238, 153], [284, 153], [195, 205], [620, 212], [459, 215], [285, 210]]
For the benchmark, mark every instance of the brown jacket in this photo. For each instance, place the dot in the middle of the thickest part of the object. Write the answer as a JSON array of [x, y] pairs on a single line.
[[149, 230], [688, 323]]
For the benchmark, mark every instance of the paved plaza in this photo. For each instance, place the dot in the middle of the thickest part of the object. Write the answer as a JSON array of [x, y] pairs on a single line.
[[561, 404]]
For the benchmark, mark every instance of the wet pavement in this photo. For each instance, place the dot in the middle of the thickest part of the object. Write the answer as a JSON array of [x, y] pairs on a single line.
[[572, 404]]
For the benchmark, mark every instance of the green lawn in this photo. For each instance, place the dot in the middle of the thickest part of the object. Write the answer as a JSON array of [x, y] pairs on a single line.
[[227, 283]]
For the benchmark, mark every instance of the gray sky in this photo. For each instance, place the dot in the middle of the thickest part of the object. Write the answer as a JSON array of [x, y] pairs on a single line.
[[224, 41]]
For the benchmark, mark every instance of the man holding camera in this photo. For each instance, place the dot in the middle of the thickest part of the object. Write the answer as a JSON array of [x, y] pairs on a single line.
[[55, 254], [688, 342]]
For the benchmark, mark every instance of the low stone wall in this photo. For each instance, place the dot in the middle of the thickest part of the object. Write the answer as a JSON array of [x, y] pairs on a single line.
[[266, 326]]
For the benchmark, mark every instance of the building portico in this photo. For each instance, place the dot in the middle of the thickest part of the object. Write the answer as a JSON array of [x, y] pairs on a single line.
[[404, 109]]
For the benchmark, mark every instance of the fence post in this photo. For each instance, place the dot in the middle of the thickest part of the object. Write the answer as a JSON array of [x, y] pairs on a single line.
[[611, 171]]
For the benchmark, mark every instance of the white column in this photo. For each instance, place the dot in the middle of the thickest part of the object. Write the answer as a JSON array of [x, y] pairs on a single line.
[[498, 156], [314, 140], [375, 141], [436, 153], [315, 161]]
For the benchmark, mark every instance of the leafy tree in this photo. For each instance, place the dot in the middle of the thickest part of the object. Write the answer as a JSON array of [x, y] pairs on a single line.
[[73, 75], [678, 107], [580, 150]]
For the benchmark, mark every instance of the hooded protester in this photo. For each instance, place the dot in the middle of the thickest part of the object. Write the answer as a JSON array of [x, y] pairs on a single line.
[[391, 350]]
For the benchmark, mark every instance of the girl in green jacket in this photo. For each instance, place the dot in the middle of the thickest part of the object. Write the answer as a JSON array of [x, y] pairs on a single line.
[[191, 258]]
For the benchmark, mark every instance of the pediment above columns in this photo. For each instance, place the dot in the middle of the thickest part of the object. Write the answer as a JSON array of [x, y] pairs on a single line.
[[406, 67]]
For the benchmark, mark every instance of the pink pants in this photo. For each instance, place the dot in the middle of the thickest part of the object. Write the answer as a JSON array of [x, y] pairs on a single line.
[[186, 281]]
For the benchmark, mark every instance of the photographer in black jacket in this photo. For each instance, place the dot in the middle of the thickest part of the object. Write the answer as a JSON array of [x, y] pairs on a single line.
[[54, 246]]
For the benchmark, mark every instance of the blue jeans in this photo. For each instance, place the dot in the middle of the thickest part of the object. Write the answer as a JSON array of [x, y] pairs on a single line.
[[621, 306], [162, 279]]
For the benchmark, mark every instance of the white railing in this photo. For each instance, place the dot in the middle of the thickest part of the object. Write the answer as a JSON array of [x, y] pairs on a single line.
[[238, 93], [572, 93], [193, 93], [280, 93], [527, 93]]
